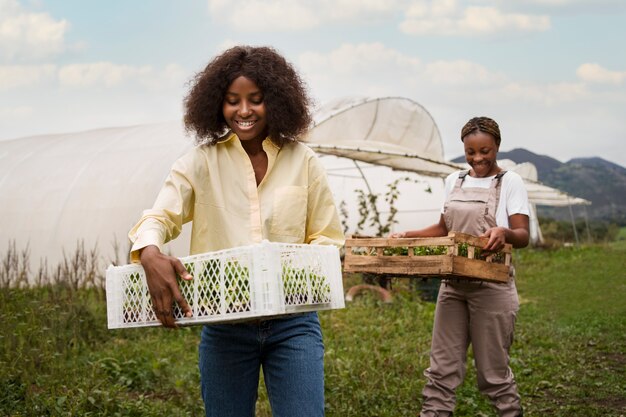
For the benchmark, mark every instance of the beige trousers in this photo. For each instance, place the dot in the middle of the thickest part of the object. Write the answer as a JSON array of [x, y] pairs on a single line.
[[482, 314]]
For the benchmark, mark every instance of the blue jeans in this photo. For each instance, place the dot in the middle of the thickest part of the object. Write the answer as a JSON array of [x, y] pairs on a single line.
[[289, 350]]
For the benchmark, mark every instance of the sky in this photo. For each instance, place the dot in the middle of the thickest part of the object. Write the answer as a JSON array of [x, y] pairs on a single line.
[[551, 72]]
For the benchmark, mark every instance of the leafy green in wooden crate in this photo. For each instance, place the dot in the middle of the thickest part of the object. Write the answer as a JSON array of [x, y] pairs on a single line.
[[417, 250], [462, 250]]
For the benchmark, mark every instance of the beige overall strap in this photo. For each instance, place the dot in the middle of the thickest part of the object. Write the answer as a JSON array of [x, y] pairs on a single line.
[[459, 181], [457, 186], [491, 208], [498, 185]]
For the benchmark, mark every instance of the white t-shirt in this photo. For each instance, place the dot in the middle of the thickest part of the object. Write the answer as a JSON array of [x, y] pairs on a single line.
[[513, 195]]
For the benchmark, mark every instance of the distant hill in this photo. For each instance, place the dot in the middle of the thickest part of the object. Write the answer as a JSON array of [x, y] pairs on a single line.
[[543, 163], [594, 179]]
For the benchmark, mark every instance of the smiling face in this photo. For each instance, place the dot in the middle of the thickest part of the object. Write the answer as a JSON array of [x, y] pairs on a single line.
[[481, 151], [244, 110]]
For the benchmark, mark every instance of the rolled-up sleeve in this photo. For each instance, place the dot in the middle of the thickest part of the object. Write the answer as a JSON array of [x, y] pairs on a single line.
[[172, 208]]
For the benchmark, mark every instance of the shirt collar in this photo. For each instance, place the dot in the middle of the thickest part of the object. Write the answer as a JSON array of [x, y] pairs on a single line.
[[268, 145]]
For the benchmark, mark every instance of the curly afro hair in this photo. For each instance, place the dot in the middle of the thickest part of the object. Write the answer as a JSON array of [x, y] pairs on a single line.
[[482, 124], [284, 93]]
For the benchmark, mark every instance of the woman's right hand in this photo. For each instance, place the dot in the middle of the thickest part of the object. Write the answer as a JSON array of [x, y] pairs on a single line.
[[161, 273], [397, 235]]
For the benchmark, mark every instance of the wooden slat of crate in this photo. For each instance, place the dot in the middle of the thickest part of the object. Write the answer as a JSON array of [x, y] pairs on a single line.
[[429, 264], [465, 268], [382, 242], [448, 265], [452, 239]]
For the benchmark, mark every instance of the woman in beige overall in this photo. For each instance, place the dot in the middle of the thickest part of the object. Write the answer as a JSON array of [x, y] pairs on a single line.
[[484, 201]]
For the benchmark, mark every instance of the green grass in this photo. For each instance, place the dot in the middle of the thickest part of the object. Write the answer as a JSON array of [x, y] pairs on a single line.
[[58, 359], [571, 347]]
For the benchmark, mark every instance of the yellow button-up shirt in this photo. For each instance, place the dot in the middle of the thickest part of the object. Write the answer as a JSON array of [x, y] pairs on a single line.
[[215, 187]]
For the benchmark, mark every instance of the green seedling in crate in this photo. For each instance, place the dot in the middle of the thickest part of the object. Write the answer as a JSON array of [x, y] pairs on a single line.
[[439, 250], [498, 257], [417, 251], [320, 289], [237, 287], [296, 286], [132, 301], [235, 290]]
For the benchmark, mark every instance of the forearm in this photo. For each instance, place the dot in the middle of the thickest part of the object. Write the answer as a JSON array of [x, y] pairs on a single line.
[[434, 230], [518, 232], [518, 238], [148, 252], [430, 231]]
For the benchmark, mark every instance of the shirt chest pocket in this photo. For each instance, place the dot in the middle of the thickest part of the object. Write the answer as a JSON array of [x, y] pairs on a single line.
[[289, 212]]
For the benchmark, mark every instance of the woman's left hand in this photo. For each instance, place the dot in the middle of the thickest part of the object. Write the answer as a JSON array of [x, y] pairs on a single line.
[[497, 239]]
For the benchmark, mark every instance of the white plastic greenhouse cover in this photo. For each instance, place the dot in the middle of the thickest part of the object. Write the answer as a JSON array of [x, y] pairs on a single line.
[[92, 186], [390, 131]]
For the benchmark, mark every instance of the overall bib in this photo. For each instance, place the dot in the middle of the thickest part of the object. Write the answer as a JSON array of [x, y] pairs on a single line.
[[480, 313]]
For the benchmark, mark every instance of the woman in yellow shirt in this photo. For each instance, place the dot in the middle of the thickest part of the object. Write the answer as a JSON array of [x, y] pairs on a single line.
[[248, 179]]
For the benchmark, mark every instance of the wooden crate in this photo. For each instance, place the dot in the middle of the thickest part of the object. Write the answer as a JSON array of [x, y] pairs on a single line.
[[456, 256]]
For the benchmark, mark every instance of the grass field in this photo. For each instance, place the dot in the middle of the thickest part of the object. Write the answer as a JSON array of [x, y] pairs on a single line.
[[58, 359]]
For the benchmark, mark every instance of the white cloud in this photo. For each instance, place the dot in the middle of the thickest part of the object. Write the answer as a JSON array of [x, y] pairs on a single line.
[[277, 15], [358, 9], [375, 69], [357, 59], [108, 75], [9, 7], [294, 15], [26, 36], [576, 3], [99, 73], [446, 18], [17, 76], [359, 69], [435, 8], [567, 8], [543, 94], [552, 2], [171, 76], [595, 73], [487, 20], [15, 113], [459, 72], [420, 17]]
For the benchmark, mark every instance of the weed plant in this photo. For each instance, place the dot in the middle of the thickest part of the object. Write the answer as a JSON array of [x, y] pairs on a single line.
[[57, 357]]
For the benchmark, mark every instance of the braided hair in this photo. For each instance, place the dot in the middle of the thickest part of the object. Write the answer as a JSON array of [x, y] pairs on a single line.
[[481, 124]]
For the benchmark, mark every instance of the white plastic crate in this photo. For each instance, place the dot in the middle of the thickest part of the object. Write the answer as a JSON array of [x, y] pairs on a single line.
[[265, 279]]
